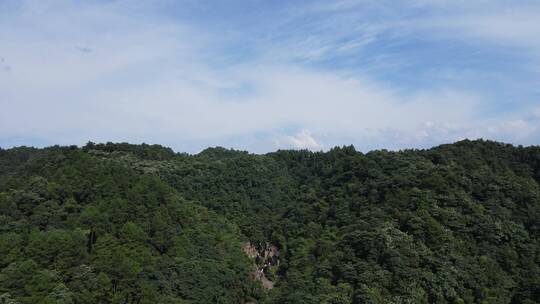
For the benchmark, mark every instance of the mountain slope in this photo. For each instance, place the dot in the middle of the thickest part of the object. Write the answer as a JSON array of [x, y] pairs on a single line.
[[120, 223]]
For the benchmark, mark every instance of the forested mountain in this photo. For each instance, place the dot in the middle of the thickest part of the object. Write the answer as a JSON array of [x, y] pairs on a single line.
[[121, 223]]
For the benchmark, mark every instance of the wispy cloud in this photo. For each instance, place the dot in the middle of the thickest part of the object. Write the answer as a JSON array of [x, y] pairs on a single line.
[[508, 27], [301, 140], [311, 75]]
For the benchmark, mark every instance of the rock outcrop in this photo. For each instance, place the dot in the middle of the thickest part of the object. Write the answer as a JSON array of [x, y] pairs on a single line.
[[266, 258]]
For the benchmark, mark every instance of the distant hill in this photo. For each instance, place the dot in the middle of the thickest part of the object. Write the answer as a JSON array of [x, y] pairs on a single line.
[[122, 223]]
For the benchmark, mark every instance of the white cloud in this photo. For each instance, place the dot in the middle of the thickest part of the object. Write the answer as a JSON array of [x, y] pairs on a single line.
[[144, 80], [507, 24], [301, 140]]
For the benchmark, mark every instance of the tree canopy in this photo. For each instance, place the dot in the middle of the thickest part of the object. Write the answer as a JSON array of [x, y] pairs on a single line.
[[121, 223]]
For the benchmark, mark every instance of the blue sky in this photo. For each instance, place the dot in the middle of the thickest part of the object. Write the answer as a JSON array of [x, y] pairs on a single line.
[[267, 75]]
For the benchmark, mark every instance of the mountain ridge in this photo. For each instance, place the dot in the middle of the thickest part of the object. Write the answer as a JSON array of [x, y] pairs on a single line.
[[457, 223]]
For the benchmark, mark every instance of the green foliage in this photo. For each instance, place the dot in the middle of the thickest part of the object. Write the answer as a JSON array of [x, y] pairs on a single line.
[[121, 223], [109, 234]]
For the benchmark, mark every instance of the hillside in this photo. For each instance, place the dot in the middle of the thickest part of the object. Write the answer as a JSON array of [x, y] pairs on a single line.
[[121, 223]]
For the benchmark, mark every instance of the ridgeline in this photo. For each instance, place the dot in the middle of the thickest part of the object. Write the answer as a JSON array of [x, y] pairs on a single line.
[[122, 223]]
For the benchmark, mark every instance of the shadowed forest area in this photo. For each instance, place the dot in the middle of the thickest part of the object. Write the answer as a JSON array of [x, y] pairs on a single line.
[[122, 223]]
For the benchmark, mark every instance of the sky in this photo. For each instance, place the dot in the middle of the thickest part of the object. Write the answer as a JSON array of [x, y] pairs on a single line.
[[265, 75]]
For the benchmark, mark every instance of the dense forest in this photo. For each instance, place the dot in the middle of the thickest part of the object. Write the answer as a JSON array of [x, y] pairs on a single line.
[[122, 223]]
